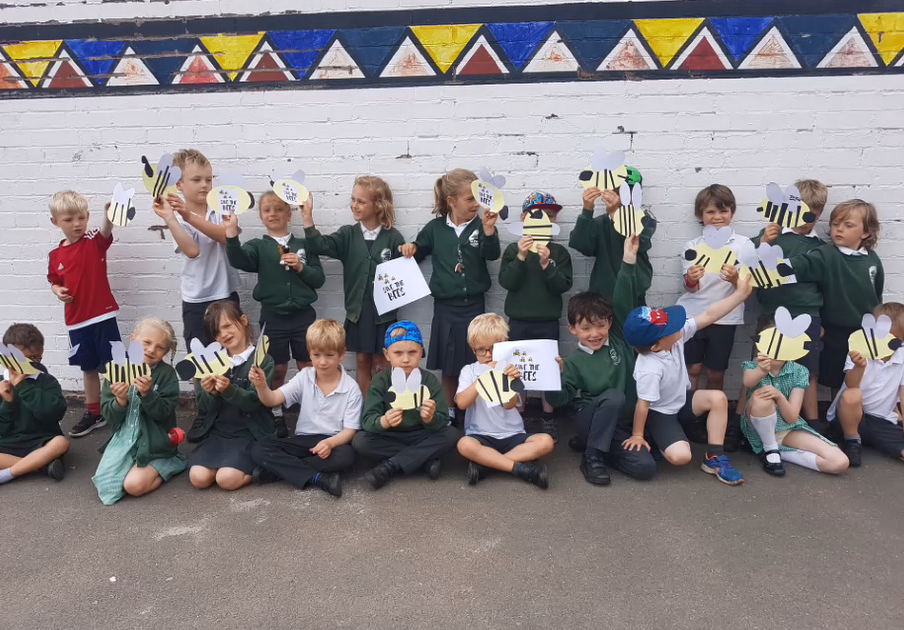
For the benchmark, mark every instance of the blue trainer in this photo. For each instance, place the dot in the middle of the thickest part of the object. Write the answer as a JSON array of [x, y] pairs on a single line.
[[722, 469]]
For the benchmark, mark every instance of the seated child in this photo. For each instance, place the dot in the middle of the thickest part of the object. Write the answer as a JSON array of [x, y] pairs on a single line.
[[663, 406], [30, 413], [865, 406], [330, 416], [230, 415], [494, 436], [405, 440], [139, 456]]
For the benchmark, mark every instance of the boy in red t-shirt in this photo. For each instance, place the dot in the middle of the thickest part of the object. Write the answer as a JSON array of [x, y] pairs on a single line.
[[78, 277]]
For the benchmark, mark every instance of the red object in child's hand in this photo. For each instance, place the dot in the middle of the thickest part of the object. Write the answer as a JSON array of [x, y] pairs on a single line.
[[176, 436]]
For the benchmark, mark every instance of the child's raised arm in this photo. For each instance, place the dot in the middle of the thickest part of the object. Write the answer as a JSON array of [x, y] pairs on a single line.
[[186, 244], [720, 309], [855, 374], [106, 228], [267, 396], [211, 230]]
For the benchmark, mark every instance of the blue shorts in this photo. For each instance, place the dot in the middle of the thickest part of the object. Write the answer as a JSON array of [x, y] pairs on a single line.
[[93, 344]]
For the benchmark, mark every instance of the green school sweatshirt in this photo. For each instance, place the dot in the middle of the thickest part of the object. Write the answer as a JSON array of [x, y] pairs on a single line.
[[800, 297], [850, 285], [598, 237], [359, 265], [586, 376], [375, 406], [534, 293], [279, 291], [475, 248], [156, 416], [35, 412]]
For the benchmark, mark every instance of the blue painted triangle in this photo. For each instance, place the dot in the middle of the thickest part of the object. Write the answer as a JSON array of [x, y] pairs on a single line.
[[811, 37], [164, 57], [740, 33], [95, 57], [371, 46], [591, 41], [300, 49], [518, 39]]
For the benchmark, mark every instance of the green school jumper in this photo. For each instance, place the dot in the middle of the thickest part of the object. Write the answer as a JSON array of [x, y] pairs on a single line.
[[800, 297], [534, 293], [33, 417], [375, 406]]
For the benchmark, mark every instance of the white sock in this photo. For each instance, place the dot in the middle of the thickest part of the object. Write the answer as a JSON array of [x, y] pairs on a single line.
[[765, 428], [277, 411], [6, 475], [801, 458]]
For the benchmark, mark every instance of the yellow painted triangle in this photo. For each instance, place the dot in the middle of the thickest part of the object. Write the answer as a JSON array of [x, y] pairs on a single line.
[[444, 42], [666, 37], [887, 32], [231, 51], [42, 52]]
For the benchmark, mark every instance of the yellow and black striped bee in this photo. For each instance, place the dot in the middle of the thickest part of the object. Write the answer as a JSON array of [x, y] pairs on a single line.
[[261, 348], [497, 388], [628, 219], [212, 360], [229, 195], [487, 190], [291, 189], [874, 339], [785, 207], [161, 179], [536, 225], [714, 251], [125, 368], [607, 171], [761, 265], [13, 360], [406, 393], [788, 339], [121, 210]]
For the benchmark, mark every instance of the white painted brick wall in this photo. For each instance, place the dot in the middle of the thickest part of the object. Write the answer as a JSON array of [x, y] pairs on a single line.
[[684, 134]]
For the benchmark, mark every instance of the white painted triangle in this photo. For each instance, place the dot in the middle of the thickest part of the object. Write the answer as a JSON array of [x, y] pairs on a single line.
[[11, 72], [198, 53], [771, 53], [688, 50], [408, 62], [900, 62], [855, 53], [58, 63], [481, 41], [337, 64], [131, 70], [266, 49], [553, 56], [630, 47]]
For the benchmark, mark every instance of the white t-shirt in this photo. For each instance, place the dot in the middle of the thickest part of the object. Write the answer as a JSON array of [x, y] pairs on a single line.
[[209, 276], [324, 415], [880, 385], [481, 419], [662, 378], [712, 288]]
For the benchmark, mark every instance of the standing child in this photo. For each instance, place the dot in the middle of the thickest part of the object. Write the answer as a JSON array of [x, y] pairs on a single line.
[[711, 348], [494, 436], [461, 244], [404, 440], [140, 456], [288, 276], [535, 284], [330, 415], [230, 415], [361, 246], [31, 408], [78, 277]]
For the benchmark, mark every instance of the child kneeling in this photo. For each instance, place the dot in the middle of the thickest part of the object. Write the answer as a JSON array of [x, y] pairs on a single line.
[[329, 418], [494, 436]]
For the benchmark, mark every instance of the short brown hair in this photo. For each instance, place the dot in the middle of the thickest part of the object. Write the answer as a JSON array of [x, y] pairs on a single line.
[[894, 310], [66, 202], [380, 196], [813, 193], [451, 184], [231, 311], [714, 195], [867, 212], [588, 306], [325, 335], [184, 157], [24, 336]]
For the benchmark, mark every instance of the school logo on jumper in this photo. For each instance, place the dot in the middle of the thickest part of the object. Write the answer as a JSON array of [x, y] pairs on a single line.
[[616, 360], [552, 263], [386, 254], [872, 275], [472, 240], [302, 256]]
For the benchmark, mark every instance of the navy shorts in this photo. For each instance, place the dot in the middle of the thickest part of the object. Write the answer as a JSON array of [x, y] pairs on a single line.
[[93, 345], [520, 329], [666, 429], [882, 435], [287, 333], [503, 445], [711, 347], [834, 354]]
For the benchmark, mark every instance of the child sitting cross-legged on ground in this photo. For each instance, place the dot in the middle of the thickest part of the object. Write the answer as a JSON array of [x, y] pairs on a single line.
[[494, 436]]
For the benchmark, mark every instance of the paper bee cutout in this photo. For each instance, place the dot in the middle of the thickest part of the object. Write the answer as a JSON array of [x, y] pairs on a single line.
[[788, 339], [161, 179], [497, 388], [487, 190], [607, 171], [628, 219], [761, 264], [13, 360], [785, 207], [212, 360], [126, 368], [874, 339], [121, 210], [229, 196], [291, 189], [406, 393], [714, 251], [536, 225], [263, 345]]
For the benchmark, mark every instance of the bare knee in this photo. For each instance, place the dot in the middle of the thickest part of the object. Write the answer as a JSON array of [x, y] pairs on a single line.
[[201, 477], [836, 463], [137, 485], [230, 479], [543, 441], [695, 369], [467, 446], [678, 454], [58, 445], [851, 397], [760, 408], [279, 372]]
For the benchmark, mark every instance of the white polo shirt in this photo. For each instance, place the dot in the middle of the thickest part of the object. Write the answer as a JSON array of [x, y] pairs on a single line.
[[209, 276], [481, 419], [712, 288], [880, 385], [661, 377], [324, 415]]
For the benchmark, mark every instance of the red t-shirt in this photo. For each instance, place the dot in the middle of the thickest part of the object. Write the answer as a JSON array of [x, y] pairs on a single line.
[[82, 268]]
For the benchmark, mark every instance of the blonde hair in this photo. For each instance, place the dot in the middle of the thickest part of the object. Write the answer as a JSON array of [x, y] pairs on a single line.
[[184, 157], [161, 325], [867, 212], [894, 310], [270, 193], [450, 185], [380, 196], [489, 325], [66, 202], [813, 193], [325, 335]]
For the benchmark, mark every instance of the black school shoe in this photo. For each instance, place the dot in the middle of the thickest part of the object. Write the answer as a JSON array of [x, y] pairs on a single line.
[[852, 450], [87, 424], [432, 468], [776, 469], [595, 471], [56, 470], [536, 474], [261, 475], [379, 475], [476, 472], [331, 483]]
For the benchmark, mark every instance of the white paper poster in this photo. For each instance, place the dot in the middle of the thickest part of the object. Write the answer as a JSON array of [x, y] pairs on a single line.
[[397, 283], [536, 360]]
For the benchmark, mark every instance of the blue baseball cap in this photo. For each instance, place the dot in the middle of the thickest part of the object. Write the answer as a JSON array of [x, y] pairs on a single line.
[[644, 326], [542, 200], [410, 333]]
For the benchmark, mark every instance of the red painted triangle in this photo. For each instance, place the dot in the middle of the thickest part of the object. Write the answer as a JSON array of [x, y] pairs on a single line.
[[197, 72], [481, 62], [67, 77], [8, 80], [703, 57], [267, 69]]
